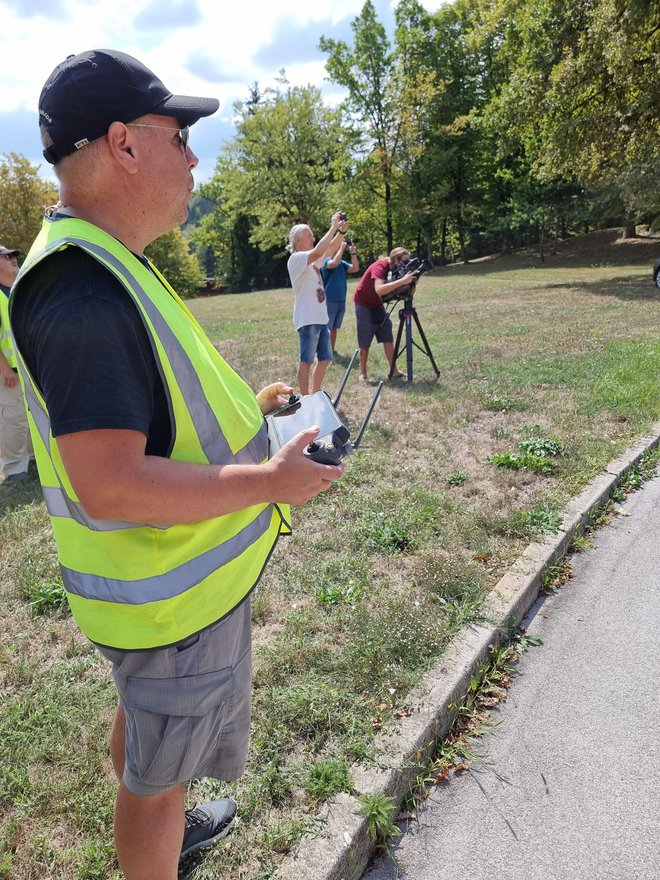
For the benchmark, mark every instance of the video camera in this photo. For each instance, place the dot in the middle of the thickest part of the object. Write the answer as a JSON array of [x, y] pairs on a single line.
[[417, 266]]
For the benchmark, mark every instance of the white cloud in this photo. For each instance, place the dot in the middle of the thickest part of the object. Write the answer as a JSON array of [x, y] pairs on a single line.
[[197, 47]]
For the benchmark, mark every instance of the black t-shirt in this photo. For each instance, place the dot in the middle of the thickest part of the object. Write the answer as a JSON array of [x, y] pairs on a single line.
[[85, 345]]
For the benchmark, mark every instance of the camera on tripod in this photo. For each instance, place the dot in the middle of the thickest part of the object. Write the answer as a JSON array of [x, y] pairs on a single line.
[[417, 267]]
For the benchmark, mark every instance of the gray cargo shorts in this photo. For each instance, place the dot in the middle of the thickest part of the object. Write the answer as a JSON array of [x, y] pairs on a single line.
[[187, 706]]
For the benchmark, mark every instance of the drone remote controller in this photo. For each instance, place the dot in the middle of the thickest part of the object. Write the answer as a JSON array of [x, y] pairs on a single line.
[[330, 453], [292, 404], [301, 411]]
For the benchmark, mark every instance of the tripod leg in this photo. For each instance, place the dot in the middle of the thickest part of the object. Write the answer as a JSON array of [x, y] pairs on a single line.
[[427, 347], [409, 349], [397, 350]]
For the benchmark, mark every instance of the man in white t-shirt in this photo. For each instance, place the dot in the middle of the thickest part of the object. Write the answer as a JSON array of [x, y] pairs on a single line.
[[310, 313]]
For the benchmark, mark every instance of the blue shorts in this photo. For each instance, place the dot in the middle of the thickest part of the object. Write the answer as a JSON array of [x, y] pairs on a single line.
[[336, 311], [314, 342], [370, 323]]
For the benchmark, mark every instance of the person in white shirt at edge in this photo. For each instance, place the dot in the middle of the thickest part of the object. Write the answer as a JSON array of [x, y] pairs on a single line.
[[310, 313]]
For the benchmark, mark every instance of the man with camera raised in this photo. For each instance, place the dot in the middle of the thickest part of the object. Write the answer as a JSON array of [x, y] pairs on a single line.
[[310, 311], [372, 319]]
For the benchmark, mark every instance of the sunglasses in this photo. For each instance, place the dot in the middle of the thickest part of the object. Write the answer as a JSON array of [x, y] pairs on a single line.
[[184, 133], [9, 256]]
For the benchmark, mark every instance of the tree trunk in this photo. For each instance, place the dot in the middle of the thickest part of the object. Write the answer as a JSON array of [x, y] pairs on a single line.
[[629, 231], [461, 234], [388, 216]]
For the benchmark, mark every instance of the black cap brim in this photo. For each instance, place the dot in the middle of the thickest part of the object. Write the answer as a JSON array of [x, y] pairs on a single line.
[[186, 108]]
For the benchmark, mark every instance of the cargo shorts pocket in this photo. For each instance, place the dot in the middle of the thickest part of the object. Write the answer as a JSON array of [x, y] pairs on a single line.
[[171, 724]]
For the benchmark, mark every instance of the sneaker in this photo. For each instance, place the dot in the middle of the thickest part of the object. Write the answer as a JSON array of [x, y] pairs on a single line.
[[207, 824], [363, 377]]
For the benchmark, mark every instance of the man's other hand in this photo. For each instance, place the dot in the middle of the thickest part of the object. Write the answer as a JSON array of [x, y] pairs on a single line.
[[8, 376], [273, 396]]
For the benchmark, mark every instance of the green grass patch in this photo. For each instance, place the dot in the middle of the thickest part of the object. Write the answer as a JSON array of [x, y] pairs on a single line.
[[327, 778]]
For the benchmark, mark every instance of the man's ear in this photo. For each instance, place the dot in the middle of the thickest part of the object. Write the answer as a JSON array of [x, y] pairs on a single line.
[[122, 144]]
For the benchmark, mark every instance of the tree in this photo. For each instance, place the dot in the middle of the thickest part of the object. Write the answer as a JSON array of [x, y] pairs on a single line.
[[366, 70], [282, 167], [24, 196], [171, 255], [283, 162], [445, 164], [583, 90]]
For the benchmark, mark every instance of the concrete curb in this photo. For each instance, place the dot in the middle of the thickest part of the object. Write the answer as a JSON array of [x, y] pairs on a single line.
[[343, 852]]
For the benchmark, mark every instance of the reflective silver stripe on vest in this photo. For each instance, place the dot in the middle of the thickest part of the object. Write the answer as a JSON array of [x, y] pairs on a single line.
[[209, 432], [6, 347], [59, 504], [57, 501], [172, 583]]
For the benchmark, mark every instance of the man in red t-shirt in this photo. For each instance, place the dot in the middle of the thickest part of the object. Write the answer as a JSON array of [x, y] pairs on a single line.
[[372, 318]]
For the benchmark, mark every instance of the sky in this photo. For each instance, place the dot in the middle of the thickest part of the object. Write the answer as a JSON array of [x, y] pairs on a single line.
[[214, 48]]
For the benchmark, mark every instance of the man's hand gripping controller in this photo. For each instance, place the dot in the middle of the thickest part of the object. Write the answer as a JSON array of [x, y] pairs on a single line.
[[333, 452]]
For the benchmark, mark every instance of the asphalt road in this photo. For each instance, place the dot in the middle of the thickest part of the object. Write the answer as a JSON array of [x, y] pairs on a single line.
[[567, 786]]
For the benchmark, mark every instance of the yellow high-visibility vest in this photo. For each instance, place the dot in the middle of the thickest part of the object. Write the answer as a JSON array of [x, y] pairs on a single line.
[[6, 344], [134, 586]]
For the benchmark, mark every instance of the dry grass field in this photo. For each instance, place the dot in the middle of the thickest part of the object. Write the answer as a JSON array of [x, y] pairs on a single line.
[[547, 372]]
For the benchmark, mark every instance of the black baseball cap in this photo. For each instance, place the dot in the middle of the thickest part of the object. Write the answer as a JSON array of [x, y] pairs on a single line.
[[86, 93]]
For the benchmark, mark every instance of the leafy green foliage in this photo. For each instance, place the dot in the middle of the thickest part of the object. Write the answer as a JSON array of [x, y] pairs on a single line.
[[48, 597], [385, 534], [172, 256], [556, 576], [540, 520], [582, 90], [333, 594], [534, 454], [458, 478], [281, 168], [479, 127], [542, 446], [366, 71], [24, 196], [517, 461]]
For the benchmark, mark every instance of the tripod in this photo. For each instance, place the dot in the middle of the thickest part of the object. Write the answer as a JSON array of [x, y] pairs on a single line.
[[406, 316]]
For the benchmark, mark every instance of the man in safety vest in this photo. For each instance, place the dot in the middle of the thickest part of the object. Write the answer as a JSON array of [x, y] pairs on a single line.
[[15, 445], [152, 453]]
